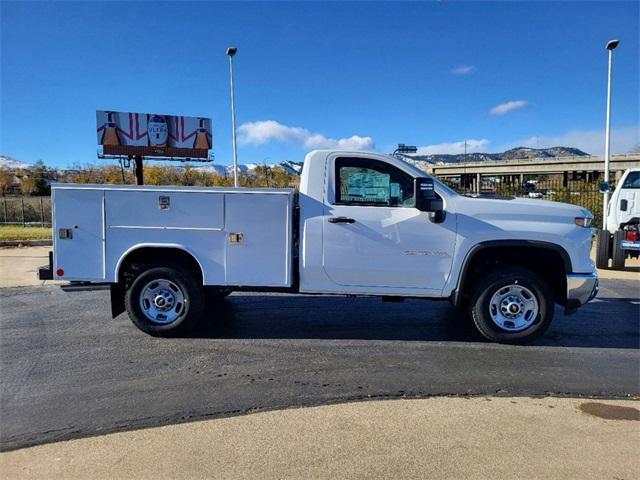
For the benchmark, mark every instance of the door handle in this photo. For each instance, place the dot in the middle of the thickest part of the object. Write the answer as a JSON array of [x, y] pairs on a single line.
[[341, 220]]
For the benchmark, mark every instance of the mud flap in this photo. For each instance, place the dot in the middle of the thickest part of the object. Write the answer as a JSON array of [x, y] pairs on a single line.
[[117, 299]]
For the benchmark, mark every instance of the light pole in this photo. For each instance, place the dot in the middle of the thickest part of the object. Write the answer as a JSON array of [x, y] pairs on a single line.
[[611, 45], [231, 51]]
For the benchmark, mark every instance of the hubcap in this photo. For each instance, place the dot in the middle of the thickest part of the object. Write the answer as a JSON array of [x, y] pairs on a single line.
[[162, 301], [513, 308]]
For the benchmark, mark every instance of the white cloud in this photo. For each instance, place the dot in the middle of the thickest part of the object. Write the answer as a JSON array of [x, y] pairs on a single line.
[[508, 107], [257, 133], [463, 70], [623, 140], [454, 148]]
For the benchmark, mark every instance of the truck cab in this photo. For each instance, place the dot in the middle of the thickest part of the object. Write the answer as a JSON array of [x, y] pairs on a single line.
[[364, 230], [621, 238]]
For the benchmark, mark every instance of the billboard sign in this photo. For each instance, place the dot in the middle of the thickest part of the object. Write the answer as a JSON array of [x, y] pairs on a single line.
[[153, 135]]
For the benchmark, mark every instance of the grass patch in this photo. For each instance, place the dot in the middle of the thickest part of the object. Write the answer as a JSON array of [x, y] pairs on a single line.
[[17, 232]]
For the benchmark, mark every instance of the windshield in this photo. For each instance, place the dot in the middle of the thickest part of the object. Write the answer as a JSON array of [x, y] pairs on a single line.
[[632, 180], [421, 173]]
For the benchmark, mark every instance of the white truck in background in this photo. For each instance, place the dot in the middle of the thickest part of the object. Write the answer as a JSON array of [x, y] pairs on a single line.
[[360, 224], [621, 239]]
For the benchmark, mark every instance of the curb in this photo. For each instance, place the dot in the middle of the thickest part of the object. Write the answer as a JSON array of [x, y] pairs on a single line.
[[25, 243]]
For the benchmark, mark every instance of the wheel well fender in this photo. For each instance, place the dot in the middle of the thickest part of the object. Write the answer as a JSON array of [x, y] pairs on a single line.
[[549, 260], [158, 253]]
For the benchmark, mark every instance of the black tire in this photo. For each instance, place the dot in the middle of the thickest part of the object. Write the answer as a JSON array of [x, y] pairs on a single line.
[[494, 282], [190, 312], [617, 253], [603, 249]]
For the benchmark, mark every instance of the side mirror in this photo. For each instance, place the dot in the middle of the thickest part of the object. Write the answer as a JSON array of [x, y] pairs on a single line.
[[427, 200]]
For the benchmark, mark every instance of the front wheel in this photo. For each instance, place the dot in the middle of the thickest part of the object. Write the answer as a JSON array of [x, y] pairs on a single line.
[[512, 305], [165, 301]]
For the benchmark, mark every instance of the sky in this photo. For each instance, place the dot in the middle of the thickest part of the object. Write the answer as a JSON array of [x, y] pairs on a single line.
[[349, 75]]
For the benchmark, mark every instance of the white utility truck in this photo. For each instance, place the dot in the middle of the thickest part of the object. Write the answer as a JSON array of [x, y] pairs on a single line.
[[360, 224], [621, 239]]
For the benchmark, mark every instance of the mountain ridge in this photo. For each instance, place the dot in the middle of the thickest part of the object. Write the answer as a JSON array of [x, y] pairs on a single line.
[[11, 163], [511, 154]]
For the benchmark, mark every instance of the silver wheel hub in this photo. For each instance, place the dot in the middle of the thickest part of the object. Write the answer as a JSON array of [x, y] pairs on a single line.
[[162, 301], [513, 308]]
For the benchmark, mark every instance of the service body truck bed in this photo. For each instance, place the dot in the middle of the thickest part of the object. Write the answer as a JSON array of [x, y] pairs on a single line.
[[239, 237]]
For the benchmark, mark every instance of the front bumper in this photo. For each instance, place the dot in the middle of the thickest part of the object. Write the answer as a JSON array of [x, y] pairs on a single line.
[[630, 245], [581, 288]]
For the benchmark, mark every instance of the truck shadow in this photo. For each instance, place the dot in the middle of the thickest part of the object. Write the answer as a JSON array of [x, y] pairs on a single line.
[[631, 269], [606, 323]]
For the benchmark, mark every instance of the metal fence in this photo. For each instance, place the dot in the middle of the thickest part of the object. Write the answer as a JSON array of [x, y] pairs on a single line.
[[27, 211], [580, 192]]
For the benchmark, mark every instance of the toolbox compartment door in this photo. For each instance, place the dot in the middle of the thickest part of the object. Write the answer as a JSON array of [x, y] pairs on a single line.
[[169, 210], [258, 239], [78, 234]]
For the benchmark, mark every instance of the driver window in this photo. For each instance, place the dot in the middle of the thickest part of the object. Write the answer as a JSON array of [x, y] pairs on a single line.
[[362, 181]]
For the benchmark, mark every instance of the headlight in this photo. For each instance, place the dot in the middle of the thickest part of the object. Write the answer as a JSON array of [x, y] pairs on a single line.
[[583, 221]]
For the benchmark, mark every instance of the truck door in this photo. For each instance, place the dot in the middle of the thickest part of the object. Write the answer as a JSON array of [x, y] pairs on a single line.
[[373, 236]]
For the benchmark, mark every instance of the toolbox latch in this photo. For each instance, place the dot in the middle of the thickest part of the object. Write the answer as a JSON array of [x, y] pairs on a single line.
[[236, 237]]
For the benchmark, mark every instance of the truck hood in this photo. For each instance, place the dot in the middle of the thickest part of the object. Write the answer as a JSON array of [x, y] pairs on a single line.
[[519, 208], [486, 219]]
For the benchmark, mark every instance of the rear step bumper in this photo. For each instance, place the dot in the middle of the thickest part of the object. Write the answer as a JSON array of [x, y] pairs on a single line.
[[46, 272], [84, 286]]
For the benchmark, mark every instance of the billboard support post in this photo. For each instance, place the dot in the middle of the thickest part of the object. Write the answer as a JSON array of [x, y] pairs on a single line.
[[139, 170]]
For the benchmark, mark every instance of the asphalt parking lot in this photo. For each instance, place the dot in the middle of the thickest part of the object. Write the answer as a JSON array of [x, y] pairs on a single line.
[[69, 371]]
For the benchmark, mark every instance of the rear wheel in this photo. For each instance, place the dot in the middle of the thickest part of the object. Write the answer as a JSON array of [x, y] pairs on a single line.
[[618, 254], [165, 301], [603, 249], [512, 305]]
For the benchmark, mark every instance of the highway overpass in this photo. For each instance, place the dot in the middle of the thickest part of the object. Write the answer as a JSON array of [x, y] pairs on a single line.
[[540, 166], [587, 167]]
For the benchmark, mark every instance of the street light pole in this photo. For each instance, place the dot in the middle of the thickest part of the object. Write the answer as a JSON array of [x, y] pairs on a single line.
[[231, 51], [611, 45]]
